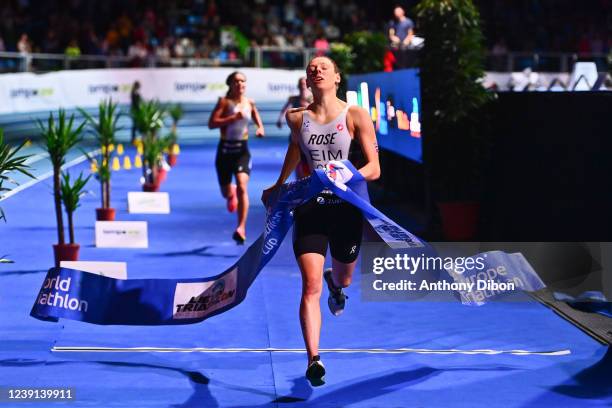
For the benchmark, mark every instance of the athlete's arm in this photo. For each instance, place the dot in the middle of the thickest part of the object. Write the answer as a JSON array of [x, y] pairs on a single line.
[[257, 119], [365, 134], [283, 112], [292, 157], [217, 120]]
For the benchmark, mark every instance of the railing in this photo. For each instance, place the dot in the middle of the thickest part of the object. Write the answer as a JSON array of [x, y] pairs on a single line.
[[38, 62], [277, 57], [542, 61]]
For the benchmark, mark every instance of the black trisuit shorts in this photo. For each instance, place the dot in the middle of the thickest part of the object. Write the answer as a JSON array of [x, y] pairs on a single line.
[[328, 220], [233, 157]]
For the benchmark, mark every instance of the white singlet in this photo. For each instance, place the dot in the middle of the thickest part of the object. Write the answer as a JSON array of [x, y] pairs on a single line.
[[239, 129], [321, 144]]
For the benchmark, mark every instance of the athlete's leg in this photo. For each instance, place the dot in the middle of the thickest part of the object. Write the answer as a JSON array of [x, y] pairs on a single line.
[[342, 273], [311, 267], [242, 180], [223, 165], [228, 190], [345, 243], [310, 241]]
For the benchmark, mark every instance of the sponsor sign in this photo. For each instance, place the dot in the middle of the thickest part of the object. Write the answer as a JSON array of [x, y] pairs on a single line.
[[121, 234], [148, 203]]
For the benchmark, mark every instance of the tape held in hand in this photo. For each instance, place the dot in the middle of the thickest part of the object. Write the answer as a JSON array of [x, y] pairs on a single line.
[[338, 173]]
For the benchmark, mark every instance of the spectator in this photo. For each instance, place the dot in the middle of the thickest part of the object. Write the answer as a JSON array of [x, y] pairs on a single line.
[[499, 53], [23, 46], [163, 53], [137, 54], [401, 29], [321, 44], [72, 50], [401, 33], [51, 43]]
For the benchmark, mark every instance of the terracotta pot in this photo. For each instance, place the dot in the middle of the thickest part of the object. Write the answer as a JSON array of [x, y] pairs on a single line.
[[162, 174], [150, 187], [459, 220], [105, 214], [65, 252], [172, 158]]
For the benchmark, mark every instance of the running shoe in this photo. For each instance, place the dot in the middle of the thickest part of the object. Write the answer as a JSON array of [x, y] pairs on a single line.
[[336, 299], [316, 372], [232, 199], [238, 238]]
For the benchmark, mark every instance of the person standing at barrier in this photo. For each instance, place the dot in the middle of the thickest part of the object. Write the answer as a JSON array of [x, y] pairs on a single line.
[[326, 132], [301, 100], [401, 33], [135, 100], [231, 115]]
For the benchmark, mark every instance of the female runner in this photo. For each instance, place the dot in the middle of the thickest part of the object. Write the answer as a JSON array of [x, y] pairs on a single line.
[[232, 115], [325, 132]]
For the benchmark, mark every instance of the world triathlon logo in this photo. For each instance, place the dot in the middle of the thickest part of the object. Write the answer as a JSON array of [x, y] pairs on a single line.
[[27, 93], [56, 293]]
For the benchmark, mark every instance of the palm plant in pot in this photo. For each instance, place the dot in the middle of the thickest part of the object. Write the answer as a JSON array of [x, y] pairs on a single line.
[[104, 128], [149, 119], [10, 162], [71, 193], [454, 103], [59, 137], [176, 113]]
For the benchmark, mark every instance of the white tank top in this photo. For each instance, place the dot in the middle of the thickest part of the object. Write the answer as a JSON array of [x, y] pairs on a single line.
[[239, 129], [321, 144]]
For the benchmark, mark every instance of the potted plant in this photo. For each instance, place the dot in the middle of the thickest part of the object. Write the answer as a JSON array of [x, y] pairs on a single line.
[[176, 113], [104, 128], [71, 194], [453, 101], [10, 162], [149, 118], [59, 137]]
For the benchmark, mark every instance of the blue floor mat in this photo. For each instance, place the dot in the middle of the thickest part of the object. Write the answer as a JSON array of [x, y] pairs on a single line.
[[195, 240]]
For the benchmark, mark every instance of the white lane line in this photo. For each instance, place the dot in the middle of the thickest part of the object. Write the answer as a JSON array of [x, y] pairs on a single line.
[[44, 176], [80, 349]]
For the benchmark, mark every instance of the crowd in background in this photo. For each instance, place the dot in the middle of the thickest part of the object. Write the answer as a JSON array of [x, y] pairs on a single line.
[[140, 29]]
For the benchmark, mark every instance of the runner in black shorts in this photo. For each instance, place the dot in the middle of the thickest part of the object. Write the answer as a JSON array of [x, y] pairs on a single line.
[[232, 115], [326, 132]]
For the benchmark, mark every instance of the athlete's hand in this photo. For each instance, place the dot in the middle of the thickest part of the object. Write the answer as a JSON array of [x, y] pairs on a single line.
[[279, 124], [338, 173], [268, 192], [238, 115], [260, 132]]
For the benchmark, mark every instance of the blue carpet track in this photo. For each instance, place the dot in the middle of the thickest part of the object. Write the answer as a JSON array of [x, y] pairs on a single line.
[[195, 241]]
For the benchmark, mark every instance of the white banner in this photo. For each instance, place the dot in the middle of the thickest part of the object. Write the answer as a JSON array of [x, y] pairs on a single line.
[[26, 92]]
